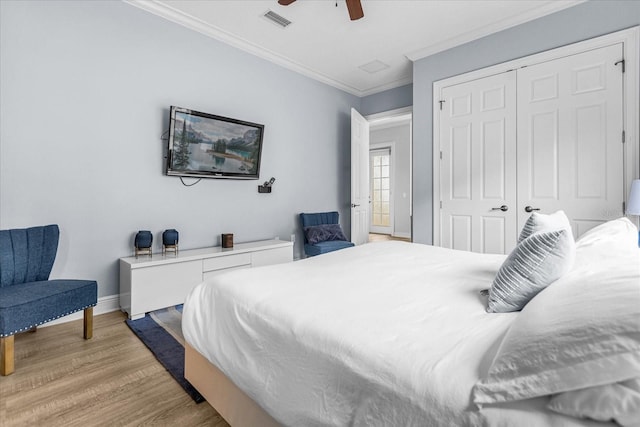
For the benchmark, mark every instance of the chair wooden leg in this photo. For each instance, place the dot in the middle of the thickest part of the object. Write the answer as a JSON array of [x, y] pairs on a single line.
[[88, 323], [6, 355]]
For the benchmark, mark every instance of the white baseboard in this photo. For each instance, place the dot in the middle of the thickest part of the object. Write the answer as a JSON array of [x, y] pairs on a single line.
[[105, 305]]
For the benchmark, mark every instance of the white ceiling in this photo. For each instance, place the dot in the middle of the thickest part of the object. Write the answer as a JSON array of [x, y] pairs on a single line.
[[324, 44]]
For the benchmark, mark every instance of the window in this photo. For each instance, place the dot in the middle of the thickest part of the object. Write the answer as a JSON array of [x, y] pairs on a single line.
[[380, 187]]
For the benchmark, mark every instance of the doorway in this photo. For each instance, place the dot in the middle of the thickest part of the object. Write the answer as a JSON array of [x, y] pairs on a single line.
[[380, 184], [390, 175]]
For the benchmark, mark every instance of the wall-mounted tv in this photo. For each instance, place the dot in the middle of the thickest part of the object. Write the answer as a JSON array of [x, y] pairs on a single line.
[[203, 145]]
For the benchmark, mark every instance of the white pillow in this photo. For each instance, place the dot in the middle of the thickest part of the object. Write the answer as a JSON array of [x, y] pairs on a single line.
[[538, 222], [619, 402], [611, 237], [582, 331], [534, 264]]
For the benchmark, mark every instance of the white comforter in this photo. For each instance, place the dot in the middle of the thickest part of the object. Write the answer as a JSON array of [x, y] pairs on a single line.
[[388, 334]]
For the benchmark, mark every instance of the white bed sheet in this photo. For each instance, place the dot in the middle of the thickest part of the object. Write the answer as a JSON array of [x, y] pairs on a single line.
[[388, 333]]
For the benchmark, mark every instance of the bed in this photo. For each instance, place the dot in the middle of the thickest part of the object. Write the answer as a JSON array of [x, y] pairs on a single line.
[[396, 333]]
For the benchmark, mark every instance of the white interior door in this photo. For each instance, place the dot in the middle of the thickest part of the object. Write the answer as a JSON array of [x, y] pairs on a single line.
[[478, 165], [570, 150], [380, 189], [359, 178]]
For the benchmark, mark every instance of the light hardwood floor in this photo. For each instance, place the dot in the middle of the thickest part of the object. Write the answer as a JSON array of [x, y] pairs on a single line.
[[376, 237], [112, 380]]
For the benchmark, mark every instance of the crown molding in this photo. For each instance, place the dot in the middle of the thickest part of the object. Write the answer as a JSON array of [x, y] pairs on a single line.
[[193, 23], [548, 9], [386, 86], [171, 14]]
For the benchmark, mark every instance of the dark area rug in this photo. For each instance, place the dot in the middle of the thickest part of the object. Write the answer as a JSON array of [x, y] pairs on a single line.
[[161, 332]]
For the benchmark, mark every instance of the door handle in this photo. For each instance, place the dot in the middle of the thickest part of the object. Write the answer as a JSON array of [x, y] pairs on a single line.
[[353, 205], [530, 209], [502, 208]]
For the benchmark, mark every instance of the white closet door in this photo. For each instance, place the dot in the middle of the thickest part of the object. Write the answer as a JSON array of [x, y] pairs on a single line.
[[570, 151], [478, 166]]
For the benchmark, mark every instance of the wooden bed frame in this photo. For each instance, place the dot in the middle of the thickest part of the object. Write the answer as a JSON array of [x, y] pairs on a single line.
[[232, 404]]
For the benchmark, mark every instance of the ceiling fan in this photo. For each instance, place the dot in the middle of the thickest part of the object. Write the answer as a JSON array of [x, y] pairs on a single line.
[[353, 6]]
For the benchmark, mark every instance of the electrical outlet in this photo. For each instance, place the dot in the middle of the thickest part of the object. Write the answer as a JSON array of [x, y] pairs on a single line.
[[293, 238]]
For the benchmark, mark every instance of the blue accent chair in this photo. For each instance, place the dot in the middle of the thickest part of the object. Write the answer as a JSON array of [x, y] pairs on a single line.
[[27, 297], [311, 219]]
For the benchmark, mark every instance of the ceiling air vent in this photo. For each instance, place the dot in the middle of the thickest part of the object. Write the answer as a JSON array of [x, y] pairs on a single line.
[[374, 66], [279, 20]]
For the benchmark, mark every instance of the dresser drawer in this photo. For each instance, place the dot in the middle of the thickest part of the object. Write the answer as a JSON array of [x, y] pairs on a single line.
[[228, 261], [209, 274]]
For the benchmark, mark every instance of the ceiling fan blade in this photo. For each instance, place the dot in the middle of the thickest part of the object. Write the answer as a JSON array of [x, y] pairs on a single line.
[[285, 2], [355, 9]]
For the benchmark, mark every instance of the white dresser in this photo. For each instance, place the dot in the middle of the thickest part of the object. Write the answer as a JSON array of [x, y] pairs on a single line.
[[150, 283]]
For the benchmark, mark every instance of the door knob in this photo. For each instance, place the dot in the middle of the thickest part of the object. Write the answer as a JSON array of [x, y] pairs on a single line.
[[530, 209], [353, 205], [502, 208]]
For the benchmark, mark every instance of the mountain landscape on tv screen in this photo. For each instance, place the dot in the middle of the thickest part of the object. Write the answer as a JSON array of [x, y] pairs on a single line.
[[198, 150]]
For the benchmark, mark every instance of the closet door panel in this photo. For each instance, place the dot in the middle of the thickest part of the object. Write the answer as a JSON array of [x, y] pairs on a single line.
[[494, 162], [541, 158], [591, 152], [570, 151], [477, 167]]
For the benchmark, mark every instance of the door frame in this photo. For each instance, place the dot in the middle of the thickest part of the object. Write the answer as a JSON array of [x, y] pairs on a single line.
[[389, 117], [631, 100], [391, 145]]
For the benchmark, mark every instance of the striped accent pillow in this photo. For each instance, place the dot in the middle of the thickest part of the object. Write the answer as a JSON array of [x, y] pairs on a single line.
[[538, 222], [534, 264]]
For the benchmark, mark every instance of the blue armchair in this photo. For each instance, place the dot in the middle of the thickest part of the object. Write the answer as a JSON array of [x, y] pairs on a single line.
[[329, 239], [27, 297]]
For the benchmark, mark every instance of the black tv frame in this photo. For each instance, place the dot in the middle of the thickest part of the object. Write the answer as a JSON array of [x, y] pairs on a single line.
[[211, 127]]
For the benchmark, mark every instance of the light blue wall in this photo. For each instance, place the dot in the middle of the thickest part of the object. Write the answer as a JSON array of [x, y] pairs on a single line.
[[388, 100], [584, 21], [85, 91]]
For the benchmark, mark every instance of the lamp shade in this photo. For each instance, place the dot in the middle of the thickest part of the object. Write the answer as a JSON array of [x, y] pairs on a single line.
[[633, 204]]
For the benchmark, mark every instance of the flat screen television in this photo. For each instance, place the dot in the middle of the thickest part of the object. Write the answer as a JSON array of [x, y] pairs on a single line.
[[203, 145]]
